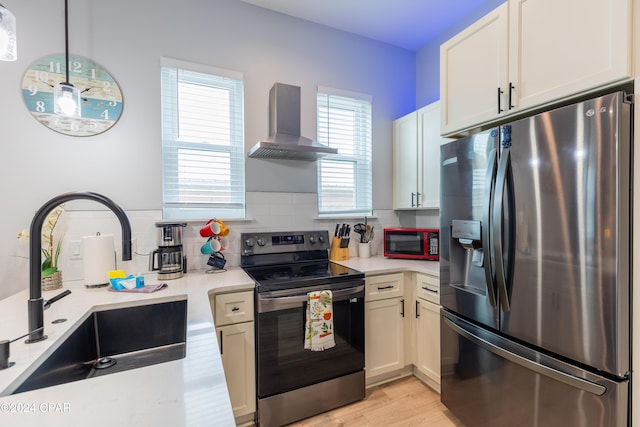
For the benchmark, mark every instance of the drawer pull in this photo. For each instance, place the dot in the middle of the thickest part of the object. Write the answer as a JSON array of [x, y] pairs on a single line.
[[382, 288], [417, 309], [234, 309], [435, 291], [402, 312]]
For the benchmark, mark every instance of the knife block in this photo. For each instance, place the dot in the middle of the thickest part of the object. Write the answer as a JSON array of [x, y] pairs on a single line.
[[337, 253]]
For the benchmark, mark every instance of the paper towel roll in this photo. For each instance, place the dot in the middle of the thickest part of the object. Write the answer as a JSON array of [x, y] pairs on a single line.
[[98, 258]]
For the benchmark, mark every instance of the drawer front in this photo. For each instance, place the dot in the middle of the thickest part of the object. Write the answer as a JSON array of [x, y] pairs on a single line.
[[428, 288], [234, 307], [383, 287]]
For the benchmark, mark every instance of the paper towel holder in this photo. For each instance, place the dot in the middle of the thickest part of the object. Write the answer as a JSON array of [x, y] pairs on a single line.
[[96, 267]]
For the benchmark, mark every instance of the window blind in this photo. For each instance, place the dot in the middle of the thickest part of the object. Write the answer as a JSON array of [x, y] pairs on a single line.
[[202, 142], [344, 179]]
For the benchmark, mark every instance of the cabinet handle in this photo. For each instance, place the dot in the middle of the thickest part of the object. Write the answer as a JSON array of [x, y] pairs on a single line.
[[221, 352], [511, 88], [412, 202], [500, 92], [417, 309], [382, 288], [234, 309], [402, 312], [418, 199], [430, 290]]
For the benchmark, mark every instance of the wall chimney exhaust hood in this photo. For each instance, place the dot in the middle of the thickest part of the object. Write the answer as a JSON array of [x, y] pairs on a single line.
[[285, 141]]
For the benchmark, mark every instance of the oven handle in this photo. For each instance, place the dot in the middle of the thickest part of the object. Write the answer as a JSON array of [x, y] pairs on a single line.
[[266, 304]]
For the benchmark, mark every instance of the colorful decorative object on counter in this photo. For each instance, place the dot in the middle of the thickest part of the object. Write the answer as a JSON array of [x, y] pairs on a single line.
[[51, 276], [215, 231]]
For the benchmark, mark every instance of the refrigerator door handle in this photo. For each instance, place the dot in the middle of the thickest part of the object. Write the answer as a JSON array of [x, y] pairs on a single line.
[[486, 228], [496, 223], [526, 363]]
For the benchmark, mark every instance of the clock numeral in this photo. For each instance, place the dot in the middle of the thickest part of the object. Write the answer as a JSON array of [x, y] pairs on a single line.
[[105, 114], [75, 67], [93, 73], [113, 102], [106, 86], [75, 125], [42, 76], [33, 90], [55, 67], [40, 106]]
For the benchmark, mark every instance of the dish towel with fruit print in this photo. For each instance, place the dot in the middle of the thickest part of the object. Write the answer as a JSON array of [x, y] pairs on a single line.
[[319, 323]]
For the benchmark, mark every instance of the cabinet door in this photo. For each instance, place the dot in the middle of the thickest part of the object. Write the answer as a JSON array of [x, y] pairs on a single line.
[[429, 152], [405, 161], [560, 48], [473, 72], [238, 358], [428, 341], [384, 336]]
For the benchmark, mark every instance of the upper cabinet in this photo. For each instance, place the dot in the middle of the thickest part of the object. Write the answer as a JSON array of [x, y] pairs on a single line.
[[416, 159], [527, 53], [473, 73]]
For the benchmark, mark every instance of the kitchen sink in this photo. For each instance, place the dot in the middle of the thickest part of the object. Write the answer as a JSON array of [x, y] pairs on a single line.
[[115, 340]]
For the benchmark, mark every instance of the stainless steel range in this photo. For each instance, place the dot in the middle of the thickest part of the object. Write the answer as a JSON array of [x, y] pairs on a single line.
[[293, 382]]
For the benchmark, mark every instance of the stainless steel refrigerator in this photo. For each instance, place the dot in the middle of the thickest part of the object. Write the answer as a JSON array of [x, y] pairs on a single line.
[[535, 269]]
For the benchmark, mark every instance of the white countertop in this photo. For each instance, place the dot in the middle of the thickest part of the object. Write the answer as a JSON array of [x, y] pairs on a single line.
[[186, 392], [381, 265]]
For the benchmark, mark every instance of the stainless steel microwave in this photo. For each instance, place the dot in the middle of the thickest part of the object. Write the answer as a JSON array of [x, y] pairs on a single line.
[[412, 243]]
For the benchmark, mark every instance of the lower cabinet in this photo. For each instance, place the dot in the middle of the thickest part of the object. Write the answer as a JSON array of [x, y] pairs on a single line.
[[238, 358], [427, 338], [233, 314], [384, 324], [384, 336], [402, 327], [428, 342]]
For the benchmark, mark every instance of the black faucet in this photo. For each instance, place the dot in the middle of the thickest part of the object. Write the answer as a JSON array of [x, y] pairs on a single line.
[[36, 304]]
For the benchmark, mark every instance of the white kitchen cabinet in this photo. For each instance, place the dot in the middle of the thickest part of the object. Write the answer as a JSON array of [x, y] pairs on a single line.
[[473, 70], [581, 44], [528, 53], [427, 359], [384, 324], [233, 313], [405, 161], [416, 159]]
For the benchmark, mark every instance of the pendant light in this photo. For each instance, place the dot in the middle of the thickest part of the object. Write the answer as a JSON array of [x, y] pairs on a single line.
[[66, 97], [8, 45]]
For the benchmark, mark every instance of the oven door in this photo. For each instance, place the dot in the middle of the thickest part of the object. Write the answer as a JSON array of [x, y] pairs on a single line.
[[283, 364]]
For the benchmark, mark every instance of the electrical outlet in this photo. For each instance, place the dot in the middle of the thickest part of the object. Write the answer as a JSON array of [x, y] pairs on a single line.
[[74, 249]]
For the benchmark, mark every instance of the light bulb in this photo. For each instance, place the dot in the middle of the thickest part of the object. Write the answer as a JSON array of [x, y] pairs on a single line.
[[8, 44], [66, 98]]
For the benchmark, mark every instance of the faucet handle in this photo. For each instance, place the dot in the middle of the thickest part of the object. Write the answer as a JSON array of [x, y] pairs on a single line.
[[48, 302]]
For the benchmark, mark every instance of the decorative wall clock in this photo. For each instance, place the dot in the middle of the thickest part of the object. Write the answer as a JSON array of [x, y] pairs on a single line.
[[100, 96]]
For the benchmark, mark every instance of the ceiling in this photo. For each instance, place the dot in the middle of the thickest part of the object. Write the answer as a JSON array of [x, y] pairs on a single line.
[[409, 24]]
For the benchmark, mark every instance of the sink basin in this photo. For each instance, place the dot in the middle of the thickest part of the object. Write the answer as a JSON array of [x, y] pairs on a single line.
[[115, 340]]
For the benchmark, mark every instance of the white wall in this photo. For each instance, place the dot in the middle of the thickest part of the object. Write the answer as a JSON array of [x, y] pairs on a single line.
[[128, 38]]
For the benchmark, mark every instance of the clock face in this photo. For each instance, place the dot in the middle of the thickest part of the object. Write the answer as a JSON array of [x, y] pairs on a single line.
[[100, 97]]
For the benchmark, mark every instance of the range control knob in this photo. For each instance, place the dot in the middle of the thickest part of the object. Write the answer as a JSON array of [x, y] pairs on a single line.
[[321, 238], [312, 240], [261, 242], [249, 242]]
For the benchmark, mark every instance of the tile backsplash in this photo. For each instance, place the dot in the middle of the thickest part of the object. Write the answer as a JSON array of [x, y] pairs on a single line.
[[266, 211]]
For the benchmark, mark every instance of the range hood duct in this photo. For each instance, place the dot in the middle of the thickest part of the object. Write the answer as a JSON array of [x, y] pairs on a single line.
[[285, 141]]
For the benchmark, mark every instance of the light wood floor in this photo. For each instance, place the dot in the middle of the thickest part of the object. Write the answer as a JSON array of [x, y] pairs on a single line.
[[404, 402]]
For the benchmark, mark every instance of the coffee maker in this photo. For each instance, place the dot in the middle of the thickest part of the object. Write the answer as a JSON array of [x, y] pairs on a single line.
[[169, 259]]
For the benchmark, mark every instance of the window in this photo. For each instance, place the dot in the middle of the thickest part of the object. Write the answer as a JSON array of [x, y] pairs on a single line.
[[344, 179], [202, 142]]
